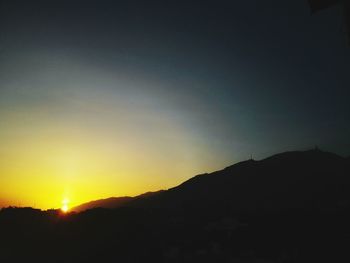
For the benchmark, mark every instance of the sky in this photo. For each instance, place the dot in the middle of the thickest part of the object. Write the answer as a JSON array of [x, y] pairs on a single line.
[[113, 98]]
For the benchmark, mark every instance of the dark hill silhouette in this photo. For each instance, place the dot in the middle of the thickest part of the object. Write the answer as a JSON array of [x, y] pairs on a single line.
[[112, 202], [309, 180], [291, 207], [302, 180]]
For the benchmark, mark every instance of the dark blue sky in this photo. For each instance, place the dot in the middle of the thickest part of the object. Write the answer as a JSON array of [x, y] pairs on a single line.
[[190, 85]]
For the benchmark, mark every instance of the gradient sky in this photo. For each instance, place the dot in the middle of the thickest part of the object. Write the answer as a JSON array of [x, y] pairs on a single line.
[[111, 98]]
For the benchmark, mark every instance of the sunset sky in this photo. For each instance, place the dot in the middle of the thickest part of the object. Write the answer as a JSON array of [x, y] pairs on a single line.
[[113, 98]]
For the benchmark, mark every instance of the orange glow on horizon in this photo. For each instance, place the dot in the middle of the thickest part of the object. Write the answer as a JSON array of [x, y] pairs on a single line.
[[93, 151], [65, 205]]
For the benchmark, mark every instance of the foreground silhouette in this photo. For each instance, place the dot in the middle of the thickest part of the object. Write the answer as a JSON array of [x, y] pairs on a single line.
[[291, 207], [317, 5]]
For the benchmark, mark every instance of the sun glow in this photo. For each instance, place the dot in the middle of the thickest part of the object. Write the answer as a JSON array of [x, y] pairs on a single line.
[[89, 150], [65, 206]]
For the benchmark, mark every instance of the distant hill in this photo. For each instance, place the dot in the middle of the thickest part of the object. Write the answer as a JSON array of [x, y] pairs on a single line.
[[290, 207], [111, 203], [299, 180]]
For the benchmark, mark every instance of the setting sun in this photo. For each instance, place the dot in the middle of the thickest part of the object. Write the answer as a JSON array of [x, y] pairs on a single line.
[[65, 206]]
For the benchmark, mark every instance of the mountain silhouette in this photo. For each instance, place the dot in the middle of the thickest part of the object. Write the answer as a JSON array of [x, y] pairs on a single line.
[[290, 207], [112, 202], [299, 180], [309, 180]]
